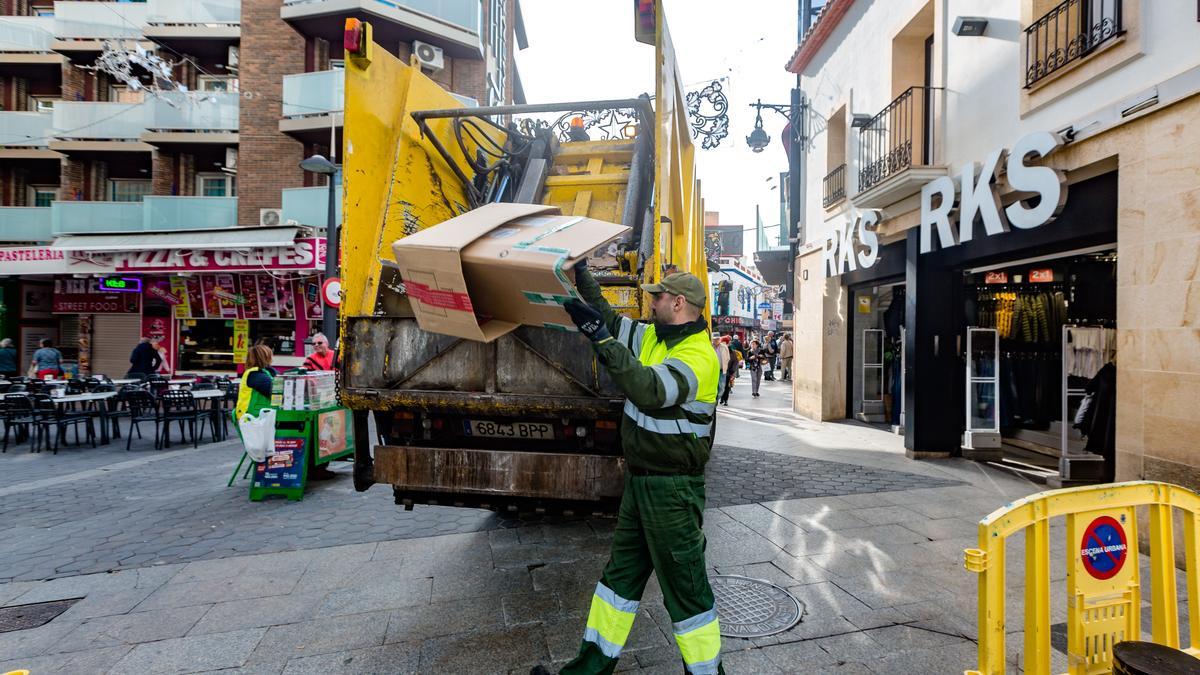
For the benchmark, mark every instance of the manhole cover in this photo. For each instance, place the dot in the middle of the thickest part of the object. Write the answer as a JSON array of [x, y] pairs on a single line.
[[23, 617], [750, 608]]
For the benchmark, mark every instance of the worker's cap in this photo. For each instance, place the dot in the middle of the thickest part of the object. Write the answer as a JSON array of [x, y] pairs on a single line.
[[681, 283]]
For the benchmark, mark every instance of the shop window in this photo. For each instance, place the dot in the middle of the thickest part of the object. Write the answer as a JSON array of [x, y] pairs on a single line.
[[41, 10], [128, 190], [497, 38], [42, 195], [337, 64]]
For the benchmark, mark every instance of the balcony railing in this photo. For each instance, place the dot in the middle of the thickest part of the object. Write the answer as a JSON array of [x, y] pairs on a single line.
[[461, 13], [151, 214], [99, 121], [318, 93], [25, 223], [898, 138], [194, 12], [25, 129], [834, 187], [310, 206], [193, 111], [188, 213], [26, 33], [70, 217], [1069, 33], [98, 20]]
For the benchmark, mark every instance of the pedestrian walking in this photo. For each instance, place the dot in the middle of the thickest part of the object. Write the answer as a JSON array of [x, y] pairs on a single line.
[[145, 359], [785, 356], [756, 359], [669, 375], [771, 349], [731, 373], [8, 358], [722, 350], [322, 358], [47, 361]]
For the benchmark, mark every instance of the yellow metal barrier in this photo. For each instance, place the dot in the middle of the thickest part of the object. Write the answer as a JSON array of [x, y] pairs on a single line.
[[1103, 584]]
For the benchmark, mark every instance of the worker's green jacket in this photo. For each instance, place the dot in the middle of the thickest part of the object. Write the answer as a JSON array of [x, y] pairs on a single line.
[[669, 377]]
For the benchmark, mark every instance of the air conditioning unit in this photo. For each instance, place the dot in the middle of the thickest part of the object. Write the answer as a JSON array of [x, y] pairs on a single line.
[[231, 158], [431, 58], [270, 217], [231, 59]]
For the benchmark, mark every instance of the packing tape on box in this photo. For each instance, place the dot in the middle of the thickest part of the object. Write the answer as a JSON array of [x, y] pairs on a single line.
[[438, 298]]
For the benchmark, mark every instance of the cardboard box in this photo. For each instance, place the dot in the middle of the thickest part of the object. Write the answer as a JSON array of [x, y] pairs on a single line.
[[482, 274]]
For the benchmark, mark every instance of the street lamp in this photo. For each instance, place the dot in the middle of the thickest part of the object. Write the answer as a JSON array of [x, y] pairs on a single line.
[[758, 139], [323, 167]]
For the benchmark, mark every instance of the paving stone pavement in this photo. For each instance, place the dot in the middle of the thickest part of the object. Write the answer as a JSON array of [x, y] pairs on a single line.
[[879, 571], [107, 509]]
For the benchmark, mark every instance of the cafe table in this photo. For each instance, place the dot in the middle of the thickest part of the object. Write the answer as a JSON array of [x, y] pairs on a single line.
[[90, 398]]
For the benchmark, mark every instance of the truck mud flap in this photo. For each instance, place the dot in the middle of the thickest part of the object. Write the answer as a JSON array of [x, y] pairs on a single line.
[[492, 474]]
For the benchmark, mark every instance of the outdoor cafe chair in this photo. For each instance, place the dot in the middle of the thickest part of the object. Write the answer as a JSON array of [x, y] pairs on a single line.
[[142, 407], [50, 414], [180, 406], [18, 413]]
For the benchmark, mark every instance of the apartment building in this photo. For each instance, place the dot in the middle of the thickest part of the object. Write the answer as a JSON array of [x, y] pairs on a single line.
[[100, 178], [1007, 221]]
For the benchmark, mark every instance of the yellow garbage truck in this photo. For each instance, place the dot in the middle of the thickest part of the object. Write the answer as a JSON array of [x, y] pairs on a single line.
[[529, 421]]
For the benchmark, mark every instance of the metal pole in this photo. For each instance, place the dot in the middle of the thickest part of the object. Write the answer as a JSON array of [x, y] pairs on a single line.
[[329, 315], [797, 160]]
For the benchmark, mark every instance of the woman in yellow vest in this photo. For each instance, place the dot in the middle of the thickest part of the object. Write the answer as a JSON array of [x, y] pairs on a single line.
[[255, 392]]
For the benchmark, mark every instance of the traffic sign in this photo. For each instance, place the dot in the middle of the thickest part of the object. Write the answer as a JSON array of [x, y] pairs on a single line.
[[1104, 548], [331, 292]]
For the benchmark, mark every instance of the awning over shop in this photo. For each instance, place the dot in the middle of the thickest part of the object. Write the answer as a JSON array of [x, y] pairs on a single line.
[[772, 264], [209, 240]]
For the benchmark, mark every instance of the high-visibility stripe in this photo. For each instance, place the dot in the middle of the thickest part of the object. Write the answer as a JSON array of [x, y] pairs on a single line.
[[699, 640], [626, 329], [609, 621], [663, 426], [700, 407], [670, 386], [639, 336], [692, 623], [610, 596], [607, 648], [688, 374]]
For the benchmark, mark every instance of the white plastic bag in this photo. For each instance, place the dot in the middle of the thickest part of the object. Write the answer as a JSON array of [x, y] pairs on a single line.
[[258, 434]]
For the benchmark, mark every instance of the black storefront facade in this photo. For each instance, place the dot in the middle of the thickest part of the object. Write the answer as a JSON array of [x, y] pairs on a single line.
[[937, 289]]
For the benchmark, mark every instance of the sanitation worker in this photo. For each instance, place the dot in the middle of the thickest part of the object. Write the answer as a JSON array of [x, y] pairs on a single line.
[[669, 373]]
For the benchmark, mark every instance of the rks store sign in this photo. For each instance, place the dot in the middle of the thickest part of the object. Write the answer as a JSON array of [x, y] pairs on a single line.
[[950, 208]]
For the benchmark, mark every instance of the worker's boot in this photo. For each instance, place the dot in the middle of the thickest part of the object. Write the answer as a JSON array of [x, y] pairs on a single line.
[[540, 670]]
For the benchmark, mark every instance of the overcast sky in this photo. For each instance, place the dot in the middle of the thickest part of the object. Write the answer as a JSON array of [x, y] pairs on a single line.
[[576, 55]]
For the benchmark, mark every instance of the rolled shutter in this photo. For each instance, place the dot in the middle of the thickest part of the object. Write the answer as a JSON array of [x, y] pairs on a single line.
[[113, 338]]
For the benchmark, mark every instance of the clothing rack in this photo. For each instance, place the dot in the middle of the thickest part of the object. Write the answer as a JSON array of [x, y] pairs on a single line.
[[1067, 394]]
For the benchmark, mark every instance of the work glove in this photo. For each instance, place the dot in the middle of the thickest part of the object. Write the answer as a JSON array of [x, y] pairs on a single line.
[[587, 319]]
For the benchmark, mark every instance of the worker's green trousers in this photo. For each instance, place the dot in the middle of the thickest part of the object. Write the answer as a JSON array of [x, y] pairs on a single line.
[[658, 530]]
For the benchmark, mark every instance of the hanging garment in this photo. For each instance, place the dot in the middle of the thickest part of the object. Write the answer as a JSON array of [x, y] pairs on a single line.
[[1101, 420]]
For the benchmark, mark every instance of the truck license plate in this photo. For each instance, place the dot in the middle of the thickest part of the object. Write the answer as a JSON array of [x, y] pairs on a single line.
[[515, 430]]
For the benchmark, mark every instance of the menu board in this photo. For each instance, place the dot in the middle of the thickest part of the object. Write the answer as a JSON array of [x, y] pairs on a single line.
[[249, 291], [286, 298], [195, 297]]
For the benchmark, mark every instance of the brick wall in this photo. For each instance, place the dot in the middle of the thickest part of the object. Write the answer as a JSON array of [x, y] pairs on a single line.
[[268, 160], [74, 82], [13, 183], [162, 173], [70, 186]]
